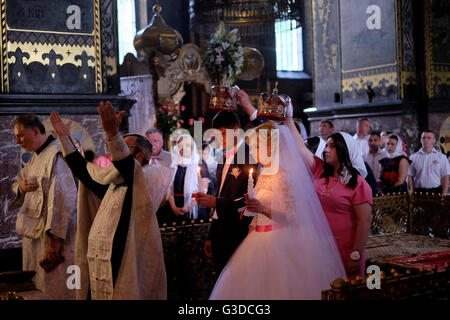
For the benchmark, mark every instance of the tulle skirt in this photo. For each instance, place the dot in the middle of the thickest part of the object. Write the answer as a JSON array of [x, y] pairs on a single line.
[[283, 264]]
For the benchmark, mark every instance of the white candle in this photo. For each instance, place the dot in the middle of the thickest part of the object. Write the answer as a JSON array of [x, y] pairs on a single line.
[[199, 178], [250, 189]]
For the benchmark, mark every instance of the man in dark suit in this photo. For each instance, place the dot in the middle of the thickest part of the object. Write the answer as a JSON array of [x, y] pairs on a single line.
[[229, 226]]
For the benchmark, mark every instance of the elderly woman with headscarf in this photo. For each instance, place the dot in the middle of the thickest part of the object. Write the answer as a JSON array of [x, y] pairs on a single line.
[[344, 194], [394, 168]]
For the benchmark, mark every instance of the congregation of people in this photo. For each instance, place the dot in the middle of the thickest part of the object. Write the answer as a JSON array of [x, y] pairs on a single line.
[[306, 225], [390, 168]]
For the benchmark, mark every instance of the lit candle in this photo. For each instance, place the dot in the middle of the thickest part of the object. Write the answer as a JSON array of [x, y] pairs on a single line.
[[250, 189], [199, 177]]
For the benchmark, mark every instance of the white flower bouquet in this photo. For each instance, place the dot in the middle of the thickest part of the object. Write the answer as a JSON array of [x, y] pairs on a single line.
[[224, 55]]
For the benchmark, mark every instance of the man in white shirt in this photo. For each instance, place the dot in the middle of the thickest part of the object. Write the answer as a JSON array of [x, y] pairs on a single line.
[[430, 169], [159, 156], [362, 135], [375, 155]]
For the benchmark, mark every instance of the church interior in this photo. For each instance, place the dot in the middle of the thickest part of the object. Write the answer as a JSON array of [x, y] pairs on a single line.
[[386, 62]]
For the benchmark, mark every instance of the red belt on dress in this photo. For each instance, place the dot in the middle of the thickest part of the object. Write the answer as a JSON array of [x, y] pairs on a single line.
[[178, 195], [265, 228]]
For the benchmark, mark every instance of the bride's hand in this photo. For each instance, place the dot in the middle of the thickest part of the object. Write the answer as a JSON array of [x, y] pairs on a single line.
[[289, 110], [255, 206]]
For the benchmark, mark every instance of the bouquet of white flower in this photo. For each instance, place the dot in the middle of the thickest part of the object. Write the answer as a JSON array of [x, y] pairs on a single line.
[[224, 55]]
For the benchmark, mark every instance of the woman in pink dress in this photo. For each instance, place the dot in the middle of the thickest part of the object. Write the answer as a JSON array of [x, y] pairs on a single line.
[[345, 196]]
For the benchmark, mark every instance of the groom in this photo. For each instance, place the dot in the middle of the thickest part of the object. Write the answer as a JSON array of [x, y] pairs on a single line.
[[229, 226]]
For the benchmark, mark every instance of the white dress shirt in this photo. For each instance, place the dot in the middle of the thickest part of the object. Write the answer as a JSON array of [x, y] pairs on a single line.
[[428, 169], [226, 166], [163, 159], [373, 160], [363, 144]]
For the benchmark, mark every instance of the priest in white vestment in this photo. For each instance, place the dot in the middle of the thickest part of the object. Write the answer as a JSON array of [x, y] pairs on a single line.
[[118, 247], [46, 194]]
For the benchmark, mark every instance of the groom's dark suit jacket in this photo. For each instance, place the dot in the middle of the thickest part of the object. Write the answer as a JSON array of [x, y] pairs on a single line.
[[227, 232]]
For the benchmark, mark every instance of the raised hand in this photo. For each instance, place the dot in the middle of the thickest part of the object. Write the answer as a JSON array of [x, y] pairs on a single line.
[[60, 128], [244, 101], [110, 121], [289, 109]]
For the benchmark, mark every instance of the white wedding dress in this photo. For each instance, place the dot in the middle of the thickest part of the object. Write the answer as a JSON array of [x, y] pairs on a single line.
[[298, 257]]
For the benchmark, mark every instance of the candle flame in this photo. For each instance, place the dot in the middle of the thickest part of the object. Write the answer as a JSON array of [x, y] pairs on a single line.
[[251, 171]]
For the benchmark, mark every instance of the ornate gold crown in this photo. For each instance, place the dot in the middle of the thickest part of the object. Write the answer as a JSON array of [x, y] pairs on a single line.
[[274, 107], [223, 97]]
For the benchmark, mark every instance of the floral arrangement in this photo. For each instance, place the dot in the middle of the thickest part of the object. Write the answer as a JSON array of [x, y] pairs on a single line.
[[224, 55], [168, 118]]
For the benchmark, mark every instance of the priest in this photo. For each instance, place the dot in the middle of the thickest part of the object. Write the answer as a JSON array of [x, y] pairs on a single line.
[[47, 196], [118, 245]]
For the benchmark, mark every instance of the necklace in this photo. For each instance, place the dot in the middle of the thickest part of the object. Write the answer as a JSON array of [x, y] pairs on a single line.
[[326, 192]]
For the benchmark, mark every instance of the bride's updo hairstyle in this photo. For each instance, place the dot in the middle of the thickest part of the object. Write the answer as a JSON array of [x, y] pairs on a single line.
[[344, 159]]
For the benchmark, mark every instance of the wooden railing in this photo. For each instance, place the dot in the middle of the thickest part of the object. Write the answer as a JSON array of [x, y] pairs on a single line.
[[395, 284], [425, 214]]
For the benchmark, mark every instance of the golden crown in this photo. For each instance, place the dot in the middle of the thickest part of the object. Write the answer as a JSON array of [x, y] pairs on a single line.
[[223, 97], [274, 107]]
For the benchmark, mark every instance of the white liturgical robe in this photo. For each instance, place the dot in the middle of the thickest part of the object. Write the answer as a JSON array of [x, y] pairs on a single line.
[[49, 209]]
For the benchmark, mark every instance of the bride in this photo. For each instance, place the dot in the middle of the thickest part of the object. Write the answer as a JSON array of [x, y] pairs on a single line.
[[290, 252]]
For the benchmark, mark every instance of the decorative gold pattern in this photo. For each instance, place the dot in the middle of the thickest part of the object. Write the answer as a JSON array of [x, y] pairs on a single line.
[[112, 63], [438, 78], [409, 78], [36, 47], [3, 56], [390, 214], [428, 48], [399, 47], [395, 285], [350, 84], [187, 67], [98, 48], [425, 214], [68, 53]]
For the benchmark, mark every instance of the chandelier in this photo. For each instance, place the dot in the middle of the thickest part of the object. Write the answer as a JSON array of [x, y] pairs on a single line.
[[250, 17]]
